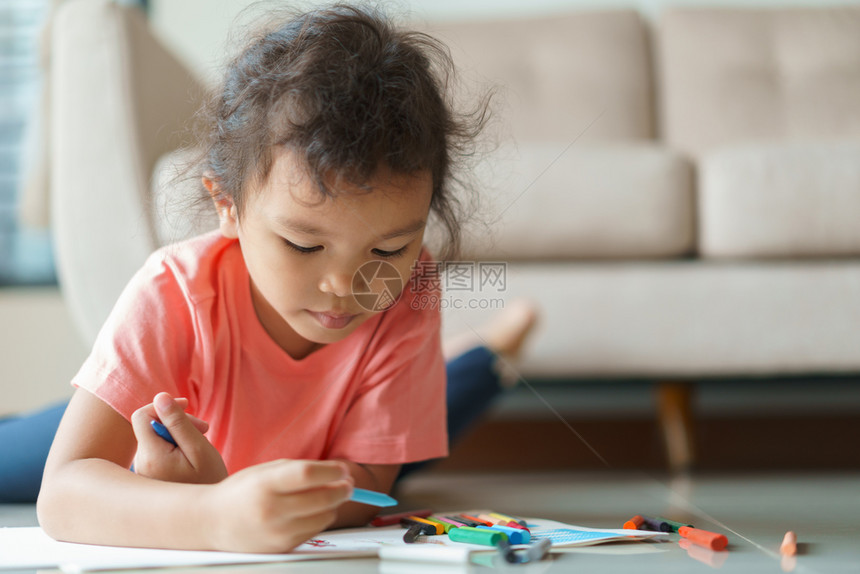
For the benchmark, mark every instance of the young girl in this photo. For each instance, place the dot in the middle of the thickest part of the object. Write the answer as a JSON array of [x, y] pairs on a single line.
[[330, 145]]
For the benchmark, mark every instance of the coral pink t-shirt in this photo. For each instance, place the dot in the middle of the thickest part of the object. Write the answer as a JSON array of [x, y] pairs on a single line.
[[186, 324]]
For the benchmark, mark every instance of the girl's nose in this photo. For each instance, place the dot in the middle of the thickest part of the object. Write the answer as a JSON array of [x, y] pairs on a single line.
[[337, 283]]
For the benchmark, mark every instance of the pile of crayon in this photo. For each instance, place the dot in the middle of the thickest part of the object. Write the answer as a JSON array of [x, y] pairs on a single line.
[[490, 529], [711, 540]]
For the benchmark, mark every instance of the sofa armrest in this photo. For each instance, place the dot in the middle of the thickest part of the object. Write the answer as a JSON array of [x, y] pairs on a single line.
[[118, 100], [781, 200]]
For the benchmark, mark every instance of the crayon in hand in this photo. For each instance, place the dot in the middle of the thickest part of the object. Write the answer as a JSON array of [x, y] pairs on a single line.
[[361, 495]]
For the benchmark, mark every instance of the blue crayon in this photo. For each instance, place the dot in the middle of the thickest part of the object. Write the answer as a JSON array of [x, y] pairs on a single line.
[[515, 535]]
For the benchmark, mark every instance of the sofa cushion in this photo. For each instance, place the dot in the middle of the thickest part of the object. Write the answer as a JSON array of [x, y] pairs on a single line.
[[611, 201], [789, 200], [735, 75], [561, 74], [675, 319]]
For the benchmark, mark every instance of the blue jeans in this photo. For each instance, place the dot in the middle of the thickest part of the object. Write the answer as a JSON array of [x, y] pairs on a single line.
[[24, 444], [26, 439]]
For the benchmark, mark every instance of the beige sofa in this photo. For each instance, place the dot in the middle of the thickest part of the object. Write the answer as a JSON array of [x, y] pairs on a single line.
[[681, 197]]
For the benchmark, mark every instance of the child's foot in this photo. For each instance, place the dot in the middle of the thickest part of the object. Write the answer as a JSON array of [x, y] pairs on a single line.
[[505, 334], [508, 331]]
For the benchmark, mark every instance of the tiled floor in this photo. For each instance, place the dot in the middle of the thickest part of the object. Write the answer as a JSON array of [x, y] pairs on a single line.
[[754, 511]]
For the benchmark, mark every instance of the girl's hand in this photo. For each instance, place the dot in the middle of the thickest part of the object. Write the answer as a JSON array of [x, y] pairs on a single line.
[[275, 506], [194, 460]]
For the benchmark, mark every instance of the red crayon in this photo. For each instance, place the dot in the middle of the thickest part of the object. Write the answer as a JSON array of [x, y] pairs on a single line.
[[704, 538]]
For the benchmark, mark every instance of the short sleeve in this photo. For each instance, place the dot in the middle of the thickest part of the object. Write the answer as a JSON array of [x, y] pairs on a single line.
[[399, 412], [146, 345]]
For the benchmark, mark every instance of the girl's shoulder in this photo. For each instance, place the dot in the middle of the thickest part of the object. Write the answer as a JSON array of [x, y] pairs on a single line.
[[197, 265]]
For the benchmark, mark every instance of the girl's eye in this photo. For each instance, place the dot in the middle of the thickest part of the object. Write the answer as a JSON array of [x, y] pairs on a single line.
[[382, 253], [300, 249]]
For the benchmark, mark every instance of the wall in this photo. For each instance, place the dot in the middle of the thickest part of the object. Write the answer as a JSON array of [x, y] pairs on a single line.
[[40, 349]]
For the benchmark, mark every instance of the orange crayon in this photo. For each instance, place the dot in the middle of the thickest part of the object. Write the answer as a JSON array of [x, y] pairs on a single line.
[[635, 523], [789, 544], [437, 526], [704, 538]]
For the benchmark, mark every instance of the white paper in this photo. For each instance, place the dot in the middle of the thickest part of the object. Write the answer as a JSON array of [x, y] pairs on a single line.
[[32, 548]]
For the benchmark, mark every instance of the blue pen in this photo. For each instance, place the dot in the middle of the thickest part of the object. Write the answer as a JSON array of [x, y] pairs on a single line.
[[162, 431], [358, 494]]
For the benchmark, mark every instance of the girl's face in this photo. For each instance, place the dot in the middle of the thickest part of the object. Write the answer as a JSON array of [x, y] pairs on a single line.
[[302, 251]]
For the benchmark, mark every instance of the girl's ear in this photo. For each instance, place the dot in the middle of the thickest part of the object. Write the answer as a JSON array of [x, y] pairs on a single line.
[[227, 218]]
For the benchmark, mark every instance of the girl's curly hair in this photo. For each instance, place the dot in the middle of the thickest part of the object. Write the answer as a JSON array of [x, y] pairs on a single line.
[[346, 91]]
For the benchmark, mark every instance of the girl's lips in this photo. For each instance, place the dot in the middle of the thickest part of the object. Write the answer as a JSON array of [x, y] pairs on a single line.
[[332, 321]]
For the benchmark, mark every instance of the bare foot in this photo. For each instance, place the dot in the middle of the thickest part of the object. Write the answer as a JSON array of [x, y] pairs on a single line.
[[505, 334], [508, 331]]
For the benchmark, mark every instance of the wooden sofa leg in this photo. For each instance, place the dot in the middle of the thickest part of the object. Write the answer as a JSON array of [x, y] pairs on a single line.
[[674, 401]]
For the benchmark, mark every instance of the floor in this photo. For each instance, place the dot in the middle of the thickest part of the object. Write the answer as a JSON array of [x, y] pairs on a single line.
[[753, 510]]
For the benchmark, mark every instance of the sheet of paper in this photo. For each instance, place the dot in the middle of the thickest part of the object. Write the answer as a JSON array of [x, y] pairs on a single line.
[[32, 548], [567, 535]]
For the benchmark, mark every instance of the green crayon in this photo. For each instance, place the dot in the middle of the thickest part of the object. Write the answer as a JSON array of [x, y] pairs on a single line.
[[484, 537], [672, 524]]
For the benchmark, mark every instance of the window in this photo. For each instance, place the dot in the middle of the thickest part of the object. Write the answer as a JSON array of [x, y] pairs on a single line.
[[25, 253]]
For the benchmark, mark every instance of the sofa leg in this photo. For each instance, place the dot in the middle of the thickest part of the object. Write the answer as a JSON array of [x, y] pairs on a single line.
[[674, 400]]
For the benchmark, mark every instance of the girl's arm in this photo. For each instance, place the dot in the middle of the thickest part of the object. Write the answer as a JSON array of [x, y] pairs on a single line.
[[378, 477], [89, 495]]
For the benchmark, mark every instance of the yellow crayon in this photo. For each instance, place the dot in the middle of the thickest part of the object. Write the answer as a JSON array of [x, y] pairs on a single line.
[[503, 517]]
